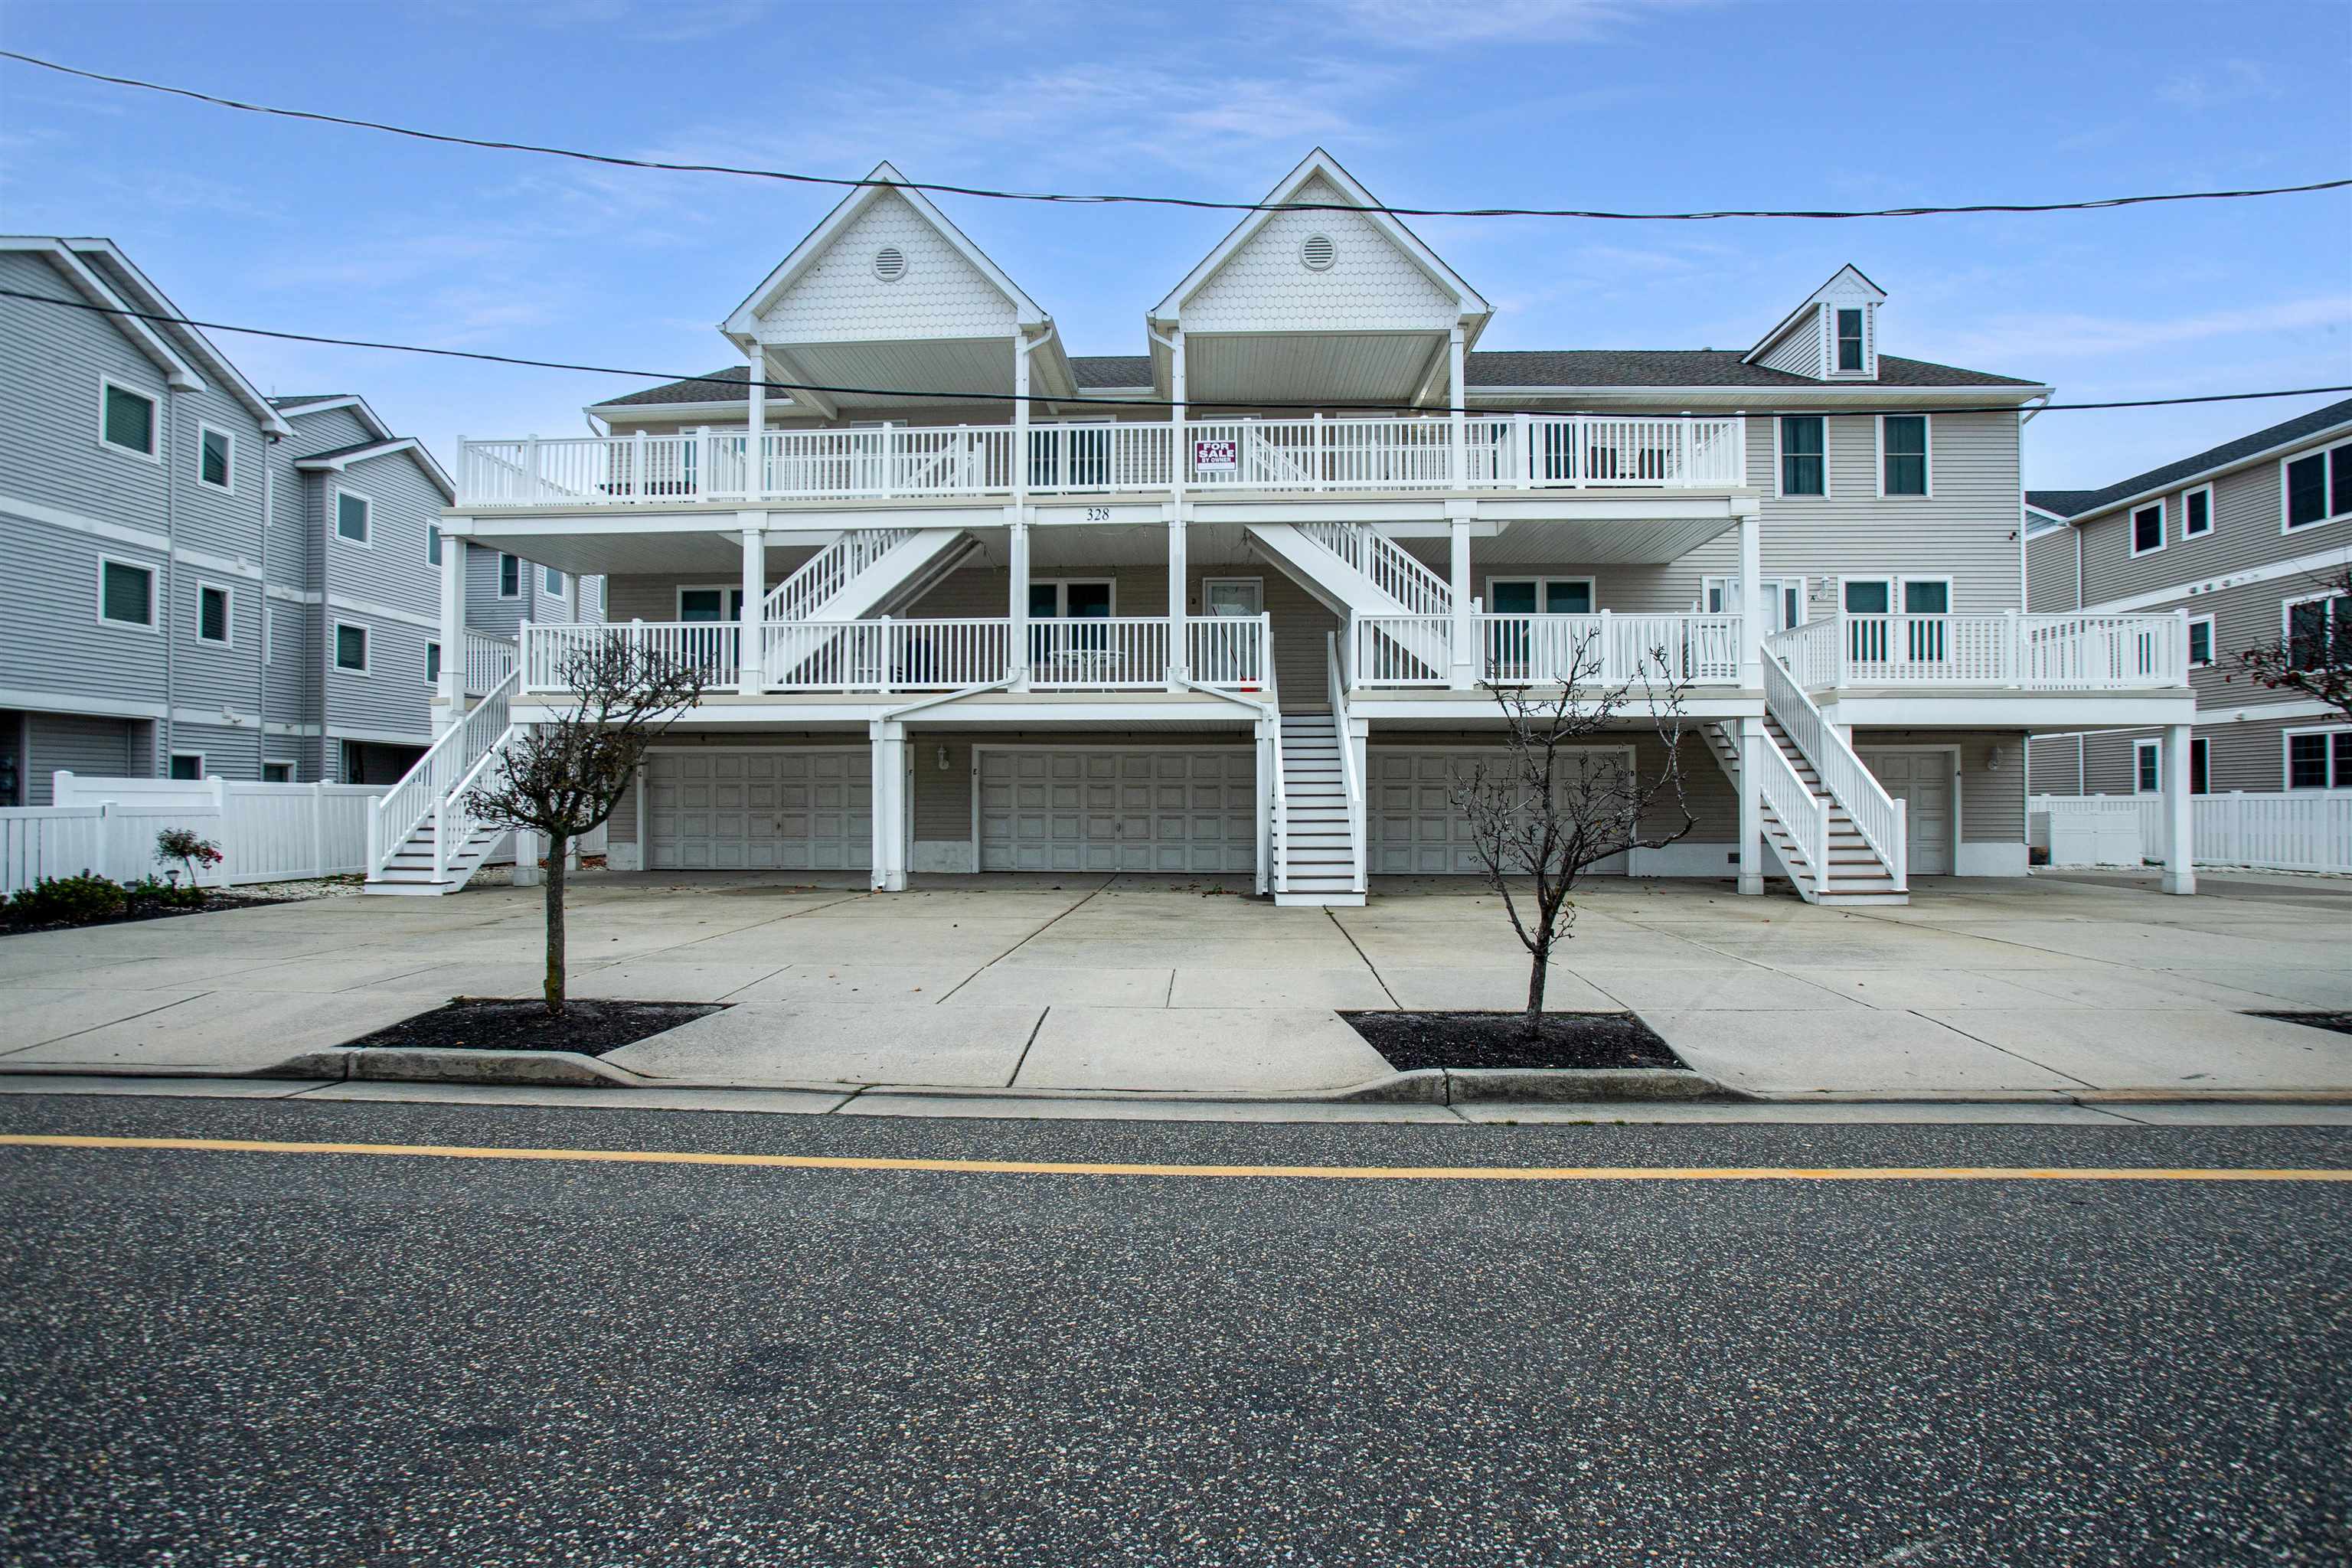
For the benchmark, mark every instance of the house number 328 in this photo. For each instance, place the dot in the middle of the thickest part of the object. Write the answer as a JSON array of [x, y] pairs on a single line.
[[1097, 514]]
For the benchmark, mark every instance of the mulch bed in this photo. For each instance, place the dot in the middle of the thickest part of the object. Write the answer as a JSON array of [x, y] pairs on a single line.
[[214, 904], [2339, 1022], [1414, 1040], [591, 1028]]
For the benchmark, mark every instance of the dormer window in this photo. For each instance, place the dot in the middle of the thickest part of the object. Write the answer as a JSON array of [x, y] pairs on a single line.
[[1849, 341]]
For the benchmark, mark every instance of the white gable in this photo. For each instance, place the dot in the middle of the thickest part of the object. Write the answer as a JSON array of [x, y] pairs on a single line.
[[840, 297], [1371, 284]]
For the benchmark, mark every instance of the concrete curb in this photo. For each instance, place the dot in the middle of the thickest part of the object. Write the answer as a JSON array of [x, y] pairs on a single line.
[[1521, 1086], [538, 1069]]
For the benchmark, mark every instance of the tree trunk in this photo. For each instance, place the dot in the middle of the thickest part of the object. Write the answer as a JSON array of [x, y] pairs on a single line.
[[558, 849], [1538, 972]]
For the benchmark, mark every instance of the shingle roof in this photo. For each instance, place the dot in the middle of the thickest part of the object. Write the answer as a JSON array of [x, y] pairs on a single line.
[[1508, 367], [331, 453], [2228, 452], [2060, 503], [283, 404]]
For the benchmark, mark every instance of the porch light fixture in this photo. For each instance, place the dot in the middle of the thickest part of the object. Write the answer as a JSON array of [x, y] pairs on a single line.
[[890, 264], [1317, 252], [943, 759], [1992, 763]]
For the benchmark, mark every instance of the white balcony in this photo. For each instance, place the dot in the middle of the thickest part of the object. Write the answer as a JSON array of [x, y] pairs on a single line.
[[2004, 652], [1289, 456], [1597, 651]]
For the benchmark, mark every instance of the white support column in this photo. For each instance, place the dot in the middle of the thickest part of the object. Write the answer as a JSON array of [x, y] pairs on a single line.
[[1751, 600], [2180, 819], [752, 655], [1752, 742], [1459, 413], [453, 632], [1266, 785], [755, 467], [1180, 450], [1016, 608], [1465, 673], [1178, 654], [1020, 419], [889, 794]]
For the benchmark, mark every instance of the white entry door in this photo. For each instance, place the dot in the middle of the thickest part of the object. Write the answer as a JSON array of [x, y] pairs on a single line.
[[1923, 782], [1151, 809], [799, 810], [1412, 826]]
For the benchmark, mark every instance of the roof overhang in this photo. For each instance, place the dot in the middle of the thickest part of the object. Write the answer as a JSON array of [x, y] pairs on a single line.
[[142, 295], [1846, 282], [179, 372], [2271, 453], [337, 462], [1826, 397], [366, 416]]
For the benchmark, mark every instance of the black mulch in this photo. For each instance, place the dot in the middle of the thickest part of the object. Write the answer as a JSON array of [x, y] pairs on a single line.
[[214, 904], [1411, 1040], [591, 1028], [2339, 1022]]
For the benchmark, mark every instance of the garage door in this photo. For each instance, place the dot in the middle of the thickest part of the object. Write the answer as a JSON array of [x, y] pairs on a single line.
[[760, 810], [1152, 810], [1413, 827], [1923, 782]]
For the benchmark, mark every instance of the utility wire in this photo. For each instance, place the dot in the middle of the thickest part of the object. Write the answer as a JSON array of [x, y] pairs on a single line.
[[1764, 393], [616, 160]]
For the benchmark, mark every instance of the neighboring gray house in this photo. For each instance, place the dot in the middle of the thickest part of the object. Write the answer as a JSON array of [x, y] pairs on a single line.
[[203, 581], [2241, 538]]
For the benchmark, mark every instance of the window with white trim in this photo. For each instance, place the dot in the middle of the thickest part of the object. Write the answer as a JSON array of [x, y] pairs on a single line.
[[2200, 640], [1804, 455], [432, 545], [351, 520], [2316, 488], [1903, 454], [2318, 631], [2197, 512], [278, 772], [2147, 767], [432, 664], [187, 766], [2147, 529], [510, 578], [550, 582], [2201, 776], [215, 458], [350, 648], [710, 604], [1849, 340], [126, 418], [1785, 596], [2319, 759], [1540, 596], [215, 617], [126, 593], [1073, 598]]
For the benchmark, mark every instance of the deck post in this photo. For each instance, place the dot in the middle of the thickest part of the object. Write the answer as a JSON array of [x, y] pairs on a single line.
[[1179, 453], [453, 630], [1751, 599], [1458, 413], [2180, 819], [887, 793], [1462, 675], [750, 662], [1179, 650], [1752, 742], [755, 457]]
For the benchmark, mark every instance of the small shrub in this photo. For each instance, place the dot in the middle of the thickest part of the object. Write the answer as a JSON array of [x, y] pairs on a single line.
[[69, 900], [161, 894], [181, 844]]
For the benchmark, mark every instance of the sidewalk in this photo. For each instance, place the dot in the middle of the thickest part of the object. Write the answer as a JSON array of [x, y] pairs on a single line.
[[2051, 989]]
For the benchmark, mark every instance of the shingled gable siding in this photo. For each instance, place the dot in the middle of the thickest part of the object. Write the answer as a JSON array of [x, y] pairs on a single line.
[[1371, 285], [840, 300]]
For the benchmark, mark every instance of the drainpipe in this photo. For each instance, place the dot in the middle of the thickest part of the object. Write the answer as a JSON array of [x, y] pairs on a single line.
[[261, 632], [171, 610]]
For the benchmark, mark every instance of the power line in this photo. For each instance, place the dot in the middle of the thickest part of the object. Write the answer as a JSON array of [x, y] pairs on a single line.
[[1067, 198], [1764, 393]]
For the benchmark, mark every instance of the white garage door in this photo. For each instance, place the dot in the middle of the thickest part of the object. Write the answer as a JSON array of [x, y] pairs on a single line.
[[1149, 810], [799, 810], [1923, 782], [1413, 827]]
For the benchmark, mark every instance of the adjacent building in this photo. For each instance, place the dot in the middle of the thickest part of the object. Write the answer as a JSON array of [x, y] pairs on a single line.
[[2247, 543]]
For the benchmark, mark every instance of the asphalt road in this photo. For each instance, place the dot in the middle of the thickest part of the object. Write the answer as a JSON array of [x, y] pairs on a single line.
[[252, 1358]]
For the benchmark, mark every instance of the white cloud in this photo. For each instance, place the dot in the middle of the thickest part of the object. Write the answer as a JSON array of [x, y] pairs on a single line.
[[2074, 335], [1420, 24]]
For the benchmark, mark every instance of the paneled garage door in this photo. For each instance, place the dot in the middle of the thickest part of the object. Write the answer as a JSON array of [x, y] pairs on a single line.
[[1413, 827], [1159, 809], [1923, 782], [799, 810]]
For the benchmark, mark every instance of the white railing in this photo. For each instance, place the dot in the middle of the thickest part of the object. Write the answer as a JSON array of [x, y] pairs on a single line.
[[1804, 815], [1350, 779], [1878, 817], [1392, 568], [1511, 650], [1228, 651], [2280, 832], [1403, 650], [1312, 455], [713, 648], [885, 655], [454, 821], [1099, 653], [489, 660], [1277, 782], [2013, 650], [400, 812], [829, 570]]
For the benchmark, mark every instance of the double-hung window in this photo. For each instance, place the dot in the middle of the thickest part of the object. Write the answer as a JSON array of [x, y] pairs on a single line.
[[2319, 759], [1849, 341], [432, 664], [2318, 487], [2319, 632], [1804, 461], [550, 582], [216, 452], [432, 545], [2147, 767], [126, 419], [213, 619], [126, 593], [352, 516], [2201, 641], [2147, 529], [1903, 454], [2197, 512], [510, 578], [350, 648]]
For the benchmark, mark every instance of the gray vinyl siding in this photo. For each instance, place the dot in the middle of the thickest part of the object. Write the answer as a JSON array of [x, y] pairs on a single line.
[[1707, 792], [2249, 756], [1992, 776], [91, 744], [1799, 353], [56, 645], [2049, 572], [2247, 511], [2056, 766]]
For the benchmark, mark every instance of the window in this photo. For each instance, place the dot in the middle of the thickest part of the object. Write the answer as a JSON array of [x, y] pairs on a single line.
[[1784, 595], [2199, 778], [1548, 595], [432, 545], [127, 419], [213, 453], [213, 614], [550, 582], [187, 765], [1931, 596], [1082, 600], [350, 648], [1804, 470], [1849, 340], [278, 772], [2319, 759], [432, 664], [1869, 596], [126, 593], [1902, 442], [2147, 529], [2147, 767], [2318, 631], [2318, 487], [510, 578], [711, 604], [351, 517], [1233, 595], [2200, 640], [2197, 512]]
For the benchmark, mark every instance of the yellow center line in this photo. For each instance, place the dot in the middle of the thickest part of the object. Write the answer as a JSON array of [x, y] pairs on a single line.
[[1311, 1173]]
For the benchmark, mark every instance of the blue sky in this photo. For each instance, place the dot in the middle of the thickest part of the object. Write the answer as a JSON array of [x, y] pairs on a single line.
[[1603, 104]]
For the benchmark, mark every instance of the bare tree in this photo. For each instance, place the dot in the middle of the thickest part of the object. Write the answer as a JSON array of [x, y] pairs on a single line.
[[563, 777], [1561, 800], [2314, 656]]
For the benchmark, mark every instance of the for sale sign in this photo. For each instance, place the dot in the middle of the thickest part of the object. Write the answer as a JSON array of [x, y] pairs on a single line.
[[1216, 457]]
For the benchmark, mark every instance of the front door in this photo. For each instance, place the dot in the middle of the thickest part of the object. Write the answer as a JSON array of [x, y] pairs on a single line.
[[1923, 782]]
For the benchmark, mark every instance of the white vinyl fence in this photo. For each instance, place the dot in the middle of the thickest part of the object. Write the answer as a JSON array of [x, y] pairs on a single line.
[[266, 832], [2277, 832]]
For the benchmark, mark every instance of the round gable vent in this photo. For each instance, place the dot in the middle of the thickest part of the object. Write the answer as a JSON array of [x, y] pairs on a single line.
[[890, 264], [1318, 252]]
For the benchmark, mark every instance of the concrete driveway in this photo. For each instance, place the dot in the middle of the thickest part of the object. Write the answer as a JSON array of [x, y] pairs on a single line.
[[2058, 988]]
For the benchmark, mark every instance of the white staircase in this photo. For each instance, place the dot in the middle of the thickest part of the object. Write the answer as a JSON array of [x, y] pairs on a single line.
[[865, 571], [1808, 827], [1317, 854], [422, 839], [1358, 571]]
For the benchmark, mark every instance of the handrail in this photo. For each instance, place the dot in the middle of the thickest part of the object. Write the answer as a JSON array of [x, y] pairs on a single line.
[[1878, 817], [1392, 568], [1281, 834], [829, 570], [1349, 778], [1782, 788], [402, 810], [445, 840]]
